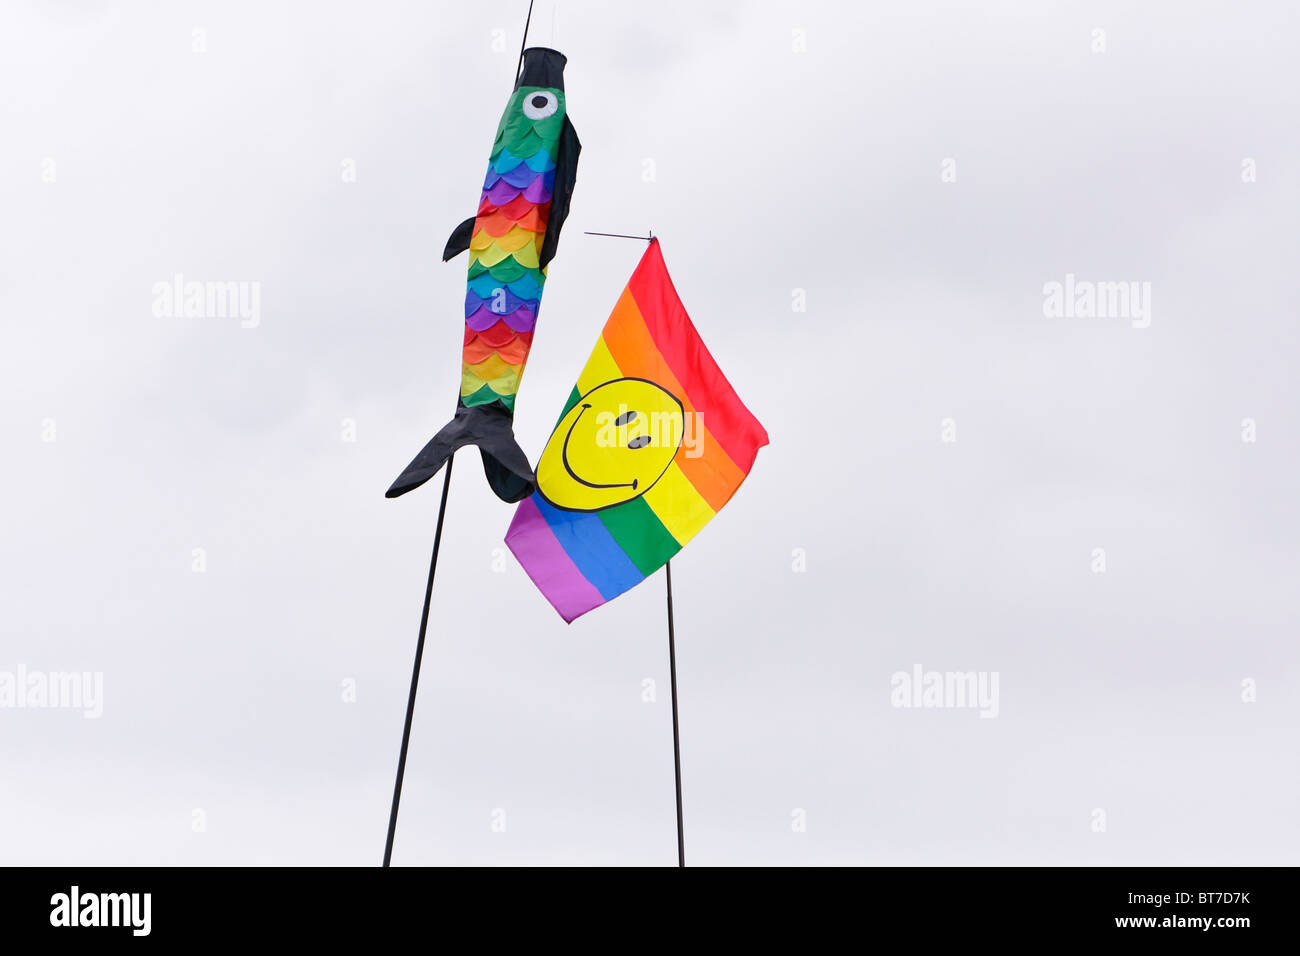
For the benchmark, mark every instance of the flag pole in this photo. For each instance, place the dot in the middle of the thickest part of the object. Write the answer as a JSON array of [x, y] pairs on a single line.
[[428, 588], [415, 671], [672, 644], [677, 742], [524, 43], [620, 235]]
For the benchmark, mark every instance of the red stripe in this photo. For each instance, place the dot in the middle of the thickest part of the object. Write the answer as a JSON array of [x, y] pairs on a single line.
[[732, 424], [497, 335]]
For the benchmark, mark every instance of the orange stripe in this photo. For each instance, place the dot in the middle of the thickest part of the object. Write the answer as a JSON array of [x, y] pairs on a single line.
[[475, 351], [515, 352], [712, 472], [497, 224]]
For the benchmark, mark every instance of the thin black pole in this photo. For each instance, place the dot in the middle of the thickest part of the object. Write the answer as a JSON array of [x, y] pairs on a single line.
[[415, 672], [677, 742], [672, 644], [620, 235], [527, 20]]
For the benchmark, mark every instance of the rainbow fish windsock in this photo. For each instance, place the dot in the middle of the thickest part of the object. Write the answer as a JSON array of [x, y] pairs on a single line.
[[511, 240], [651, 444]]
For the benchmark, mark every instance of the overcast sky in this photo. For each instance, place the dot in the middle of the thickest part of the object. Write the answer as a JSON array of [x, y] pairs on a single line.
[[921, 172]]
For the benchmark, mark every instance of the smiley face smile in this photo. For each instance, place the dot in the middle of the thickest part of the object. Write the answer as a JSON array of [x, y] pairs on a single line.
[[564, 454], [611, 446]]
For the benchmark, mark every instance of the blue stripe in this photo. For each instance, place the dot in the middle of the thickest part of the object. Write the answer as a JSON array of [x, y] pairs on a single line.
[[592, 548]]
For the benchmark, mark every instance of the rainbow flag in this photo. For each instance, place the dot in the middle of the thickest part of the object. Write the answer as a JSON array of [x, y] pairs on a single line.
[[651, 444]]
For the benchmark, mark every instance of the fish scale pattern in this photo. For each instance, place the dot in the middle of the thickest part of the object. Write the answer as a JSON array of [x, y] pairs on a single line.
[[506, 279]]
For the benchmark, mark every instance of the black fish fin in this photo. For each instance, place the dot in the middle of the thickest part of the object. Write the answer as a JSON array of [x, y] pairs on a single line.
[[490, 428], [566, 173], [458, 242]]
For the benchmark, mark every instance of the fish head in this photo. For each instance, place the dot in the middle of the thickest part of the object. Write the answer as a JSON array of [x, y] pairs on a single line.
[[534, 116]]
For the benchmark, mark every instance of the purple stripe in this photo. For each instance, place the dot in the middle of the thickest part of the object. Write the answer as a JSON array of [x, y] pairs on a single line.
[[522, 319], [501, 193], [505, 298], [548, 564], [537, 191]]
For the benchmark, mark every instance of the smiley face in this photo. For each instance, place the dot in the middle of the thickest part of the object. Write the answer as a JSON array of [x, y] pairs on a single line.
[[612, 446]]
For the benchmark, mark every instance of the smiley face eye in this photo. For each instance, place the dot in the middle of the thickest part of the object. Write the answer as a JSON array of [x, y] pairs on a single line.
[[538, 106], [640, 441], [627, 418]]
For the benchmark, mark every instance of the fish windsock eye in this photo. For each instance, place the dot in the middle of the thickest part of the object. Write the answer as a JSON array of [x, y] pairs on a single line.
[[540, 105]]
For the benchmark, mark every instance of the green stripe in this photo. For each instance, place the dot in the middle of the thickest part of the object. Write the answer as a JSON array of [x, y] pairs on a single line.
[[574, 396], [485, 396], [507, 270], [640, 533], [521, 135]]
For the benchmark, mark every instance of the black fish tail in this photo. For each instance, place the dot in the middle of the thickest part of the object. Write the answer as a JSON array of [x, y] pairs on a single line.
[[491, 428]]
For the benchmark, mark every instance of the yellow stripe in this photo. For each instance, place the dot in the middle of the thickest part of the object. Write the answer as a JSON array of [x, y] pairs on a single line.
[[678, 505], [494, 366], [526, 255], [516, 239], [600, 368], [507, 384]]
